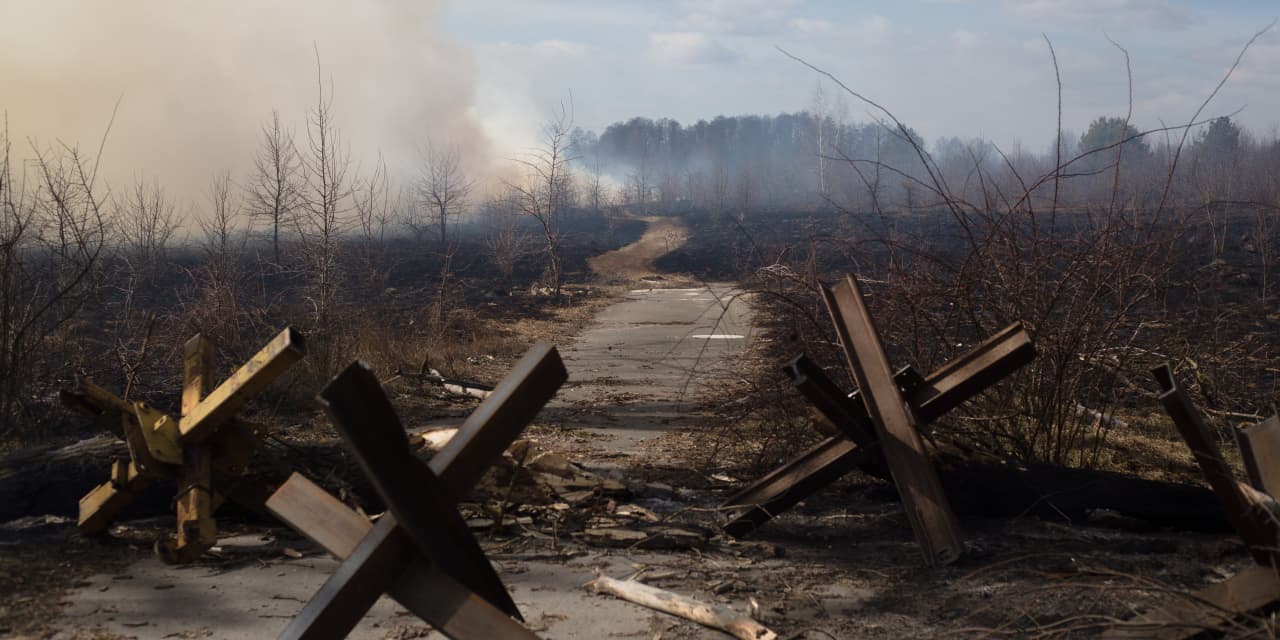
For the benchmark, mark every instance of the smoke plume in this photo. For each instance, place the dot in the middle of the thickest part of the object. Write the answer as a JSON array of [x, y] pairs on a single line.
[[196, 81]]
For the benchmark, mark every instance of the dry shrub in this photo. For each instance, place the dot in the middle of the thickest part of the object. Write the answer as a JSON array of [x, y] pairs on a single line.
[[1088, 251], [53, 234]]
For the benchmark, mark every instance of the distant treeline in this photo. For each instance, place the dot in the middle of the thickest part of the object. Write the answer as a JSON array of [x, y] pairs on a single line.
[[747, 161], [807, 160]]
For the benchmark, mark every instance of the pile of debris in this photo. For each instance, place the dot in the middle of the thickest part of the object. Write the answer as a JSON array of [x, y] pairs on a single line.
[[543, 493]]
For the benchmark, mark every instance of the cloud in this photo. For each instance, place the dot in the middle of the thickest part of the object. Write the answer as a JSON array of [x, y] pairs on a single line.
[[868, 32], [1260, 65], [965, 39], [735, 17], [563, 48], [1159, 14], [812, 26], [873, 30], [688, 47]]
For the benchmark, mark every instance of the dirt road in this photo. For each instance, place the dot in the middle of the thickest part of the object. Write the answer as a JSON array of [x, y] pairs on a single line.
[[644, 363], [635, 261], [637, 370]]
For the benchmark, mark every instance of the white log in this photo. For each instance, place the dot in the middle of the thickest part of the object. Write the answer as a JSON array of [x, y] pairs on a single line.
[[725, 619]]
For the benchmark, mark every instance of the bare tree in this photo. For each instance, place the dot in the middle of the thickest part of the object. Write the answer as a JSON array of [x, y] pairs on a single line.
[[217, 311], [274, 189], [545, 190], [821, 125], [745, 192], [597, 192], [52, 239], [375, 208], [444, 186], [1265, 241], [147, 219], [325, 200], [503, 236], [224, 238], [640, 180], [719, 190]]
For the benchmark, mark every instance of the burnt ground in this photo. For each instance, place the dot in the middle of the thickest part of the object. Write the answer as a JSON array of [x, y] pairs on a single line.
[[842, 565]]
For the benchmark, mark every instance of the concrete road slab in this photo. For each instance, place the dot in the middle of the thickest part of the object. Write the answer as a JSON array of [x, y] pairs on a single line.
[[648, 358]]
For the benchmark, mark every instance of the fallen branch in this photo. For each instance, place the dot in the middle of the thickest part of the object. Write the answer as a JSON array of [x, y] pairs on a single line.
[[452, 385], [1235, 415], [735, 624]]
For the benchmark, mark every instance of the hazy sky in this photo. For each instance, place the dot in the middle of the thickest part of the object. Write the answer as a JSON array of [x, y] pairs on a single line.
[[196, 80], [959, 67]]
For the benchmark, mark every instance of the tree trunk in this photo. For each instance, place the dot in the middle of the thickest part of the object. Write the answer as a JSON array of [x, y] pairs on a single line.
[[51, 480], [444, 235], [1078, 495]]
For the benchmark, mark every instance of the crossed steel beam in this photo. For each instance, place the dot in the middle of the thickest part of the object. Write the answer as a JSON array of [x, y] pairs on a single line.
[[1245, 507], [421, 552], [879, 433]]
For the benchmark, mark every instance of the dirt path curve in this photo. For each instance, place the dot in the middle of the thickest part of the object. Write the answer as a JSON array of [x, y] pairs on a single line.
[[635, 261], [635, 371]]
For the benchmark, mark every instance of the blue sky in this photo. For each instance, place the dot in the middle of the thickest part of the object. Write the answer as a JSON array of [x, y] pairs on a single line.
[[945, 67]]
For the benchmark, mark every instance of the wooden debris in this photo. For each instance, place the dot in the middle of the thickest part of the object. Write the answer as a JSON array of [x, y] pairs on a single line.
[[738, 625], [452, 385], [667, 538], [432, 441]]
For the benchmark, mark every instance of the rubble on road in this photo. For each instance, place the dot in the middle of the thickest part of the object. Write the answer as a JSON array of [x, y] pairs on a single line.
[[534, 488]]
